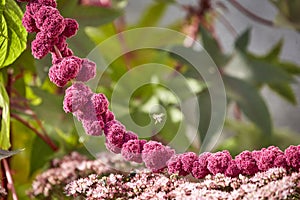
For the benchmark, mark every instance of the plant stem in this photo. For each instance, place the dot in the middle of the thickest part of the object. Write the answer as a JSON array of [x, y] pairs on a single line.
[[250, 14], [10, 182], [45, 138]]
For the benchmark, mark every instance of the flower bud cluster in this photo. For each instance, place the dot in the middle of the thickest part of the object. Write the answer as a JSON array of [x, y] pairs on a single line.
[[246, 163], [52, 31]]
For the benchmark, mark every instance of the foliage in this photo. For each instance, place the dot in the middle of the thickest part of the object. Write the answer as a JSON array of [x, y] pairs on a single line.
[[31, 105]]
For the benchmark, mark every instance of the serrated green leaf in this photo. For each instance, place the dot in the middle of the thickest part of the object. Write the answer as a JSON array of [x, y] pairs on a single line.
[[285, 91], [5, 121], [212, 47], [250, 101], [6, 154], [153, 14], [256, 71], [40, 154], [13, 35]]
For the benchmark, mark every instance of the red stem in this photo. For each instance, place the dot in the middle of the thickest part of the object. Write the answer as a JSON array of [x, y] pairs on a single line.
[[10, 183], [45, 138], [250, 14]]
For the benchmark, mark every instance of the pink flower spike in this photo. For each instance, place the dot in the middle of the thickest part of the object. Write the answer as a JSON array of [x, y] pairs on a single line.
[[175, 165], [76, 97], [49, 20], [71, 27], [42, 45], [246, 163], [87, 72], [292, 155], [187, 160], [155, 155], [70, 67], [232, 169], [200, 165], [218, 162], [132, 150], [54, 76], [100, 103], [93, 128], [29, 23]]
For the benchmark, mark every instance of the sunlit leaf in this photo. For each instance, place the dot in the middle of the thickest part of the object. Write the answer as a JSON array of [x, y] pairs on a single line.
[[13, 35], [5, 121]]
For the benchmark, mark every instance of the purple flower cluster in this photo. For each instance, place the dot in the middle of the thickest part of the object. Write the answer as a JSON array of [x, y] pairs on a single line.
[[43, 18], [246, 163]]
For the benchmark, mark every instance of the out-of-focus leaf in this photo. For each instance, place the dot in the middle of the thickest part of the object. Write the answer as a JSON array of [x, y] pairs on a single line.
[[5, 121], [40, 154], [250, 101], [288, 15], [275, 51], [254, 69], [5, 153], [13, 35], [205, 113], [86, 16], [212, 47], [242, 41], [50, 110], [285, 91], [153, 14]]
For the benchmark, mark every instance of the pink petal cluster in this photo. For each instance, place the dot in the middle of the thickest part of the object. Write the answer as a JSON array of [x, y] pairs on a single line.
[[155, 155], [132, 150], [292, 156], [218, 162], [199, 169], [42, 17], [270, 157], [246, 163], [182, 163]]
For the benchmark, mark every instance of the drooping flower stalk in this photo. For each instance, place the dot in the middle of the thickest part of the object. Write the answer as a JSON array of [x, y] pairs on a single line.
[[91, 109]]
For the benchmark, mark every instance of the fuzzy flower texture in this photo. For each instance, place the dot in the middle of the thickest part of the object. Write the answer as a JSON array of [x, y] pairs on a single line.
[[52, 30], [91, 109]]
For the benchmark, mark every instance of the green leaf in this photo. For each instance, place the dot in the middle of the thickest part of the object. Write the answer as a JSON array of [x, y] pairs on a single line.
[[13, 35], [40, 155], [6, 154], [250, 101], [205, 113], [285, 91], [153, 14], [5, 121], [243, 40], [257, 69], [288, 15], [212, 47]]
